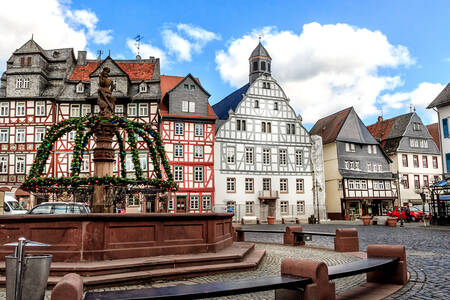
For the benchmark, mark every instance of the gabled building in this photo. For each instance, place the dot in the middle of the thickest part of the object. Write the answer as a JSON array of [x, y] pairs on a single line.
[[358, 179], [187, 128], [262, 151], [416, 157]]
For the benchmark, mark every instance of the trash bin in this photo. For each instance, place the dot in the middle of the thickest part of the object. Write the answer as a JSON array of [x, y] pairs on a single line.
[[26, 274]]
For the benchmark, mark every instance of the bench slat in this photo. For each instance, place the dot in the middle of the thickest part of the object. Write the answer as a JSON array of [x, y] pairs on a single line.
[[359, 267], [204, 290], [315, 233], [260, 230]]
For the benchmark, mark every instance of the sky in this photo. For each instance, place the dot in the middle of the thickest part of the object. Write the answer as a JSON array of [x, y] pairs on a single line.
[[382, 57]]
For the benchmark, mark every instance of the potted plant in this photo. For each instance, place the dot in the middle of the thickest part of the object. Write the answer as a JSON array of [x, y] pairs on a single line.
[[392, 221], [366, 220], [270, 220]]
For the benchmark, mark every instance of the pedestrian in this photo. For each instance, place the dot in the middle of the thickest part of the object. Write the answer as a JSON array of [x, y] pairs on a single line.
[[408, 214]]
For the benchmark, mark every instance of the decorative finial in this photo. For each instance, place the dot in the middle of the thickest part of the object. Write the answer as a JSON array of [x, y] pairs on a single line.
[[32, 36], [109, 52], [260, 36]]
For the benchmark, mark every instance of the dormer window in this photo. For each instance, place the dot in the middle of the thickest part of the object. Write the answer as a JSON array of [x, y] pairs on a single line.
[[80, 88], [192, 87], [143, 88], [186, 86], [29, 61], [416, 126], [22, 61]]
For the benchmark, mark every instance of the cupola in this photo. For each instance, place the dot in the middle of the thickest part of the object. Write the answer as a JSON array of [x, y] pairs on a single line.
[[260, 62]]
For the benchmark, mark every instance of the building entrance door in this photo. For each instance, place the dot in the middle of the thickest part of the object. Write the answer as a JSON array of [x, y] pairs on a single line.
[[181, 204], [150, 204]]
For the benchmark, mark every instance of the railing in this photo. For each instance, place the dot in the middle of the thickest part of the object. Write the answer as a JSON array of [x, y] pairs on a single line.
[[272, 194]]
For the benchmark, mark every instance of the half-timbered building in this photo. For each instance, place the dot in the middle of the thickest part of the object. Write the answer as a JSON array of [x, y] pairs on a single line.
[[263, 152], [358, 178], [187, 128]]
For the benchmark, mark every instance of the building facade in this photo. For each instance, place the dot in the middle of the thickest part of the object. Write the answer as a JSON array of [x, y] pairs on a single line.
[[187, 128], [262, 151], [42, 87], [358, 179], [416, 157]]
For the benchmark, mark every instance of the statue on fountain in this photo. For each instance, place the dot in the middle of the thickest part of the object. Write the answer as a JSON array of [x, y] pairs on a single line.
[[106, 101]]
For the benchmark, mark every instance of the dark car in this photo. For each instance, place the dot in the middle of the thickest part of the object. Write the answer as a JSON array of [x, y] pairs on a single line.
[[60, 208]]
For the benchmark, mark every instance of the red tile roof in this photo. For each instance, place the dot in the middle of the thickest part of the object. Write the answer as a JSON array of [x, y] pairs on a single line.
[[433, 129], [134, 70], [381, 129], [329, 127]]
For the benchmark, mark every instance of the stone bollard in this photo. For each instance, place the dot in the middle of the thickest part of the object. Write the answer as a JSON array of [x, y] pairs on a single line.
[[70, 287], [321, 288], [289, 238], [346, 240], [238, 236], [397, 274]]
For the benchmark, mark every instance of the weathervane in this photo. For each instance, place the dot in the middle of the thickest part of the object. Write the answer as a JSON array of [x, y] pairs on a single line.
[[260, 36], [138, 39]]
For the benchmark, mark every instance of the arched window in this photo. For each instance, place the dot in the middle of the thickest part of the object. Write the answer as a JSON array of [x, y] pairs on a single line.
[[263, 126], [269, 127], [255, 66], [256, 103], [263, 66]]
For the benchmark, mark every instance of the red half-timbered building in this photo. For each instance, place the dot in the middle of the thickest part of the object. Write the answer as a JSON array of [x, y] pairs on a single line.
[[187, 128]]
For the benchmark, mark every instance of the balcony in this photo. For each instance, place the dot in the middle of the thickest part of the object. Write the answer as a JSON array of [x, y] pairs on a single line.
[[268, 195]]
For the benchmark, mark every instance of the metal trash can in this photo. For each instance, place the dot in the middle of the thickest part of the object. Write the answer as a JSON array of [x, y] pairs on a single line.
[[26, 274]]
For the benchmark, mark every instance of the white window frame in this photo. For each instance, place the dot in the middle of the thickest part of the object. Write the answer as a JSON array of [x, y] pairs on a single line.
[[4, 164], [300, 207], [231, 184], [284, 185], [21, 135], [185, 106], [178, 173], [4, 109], [179, 128], [80, 88], [231, 155], [282, 155], [198, 173], [132, 109], [129, 166], [85, 109], [178, 150], [143, 88], [194, 202], [206, 202], [39, 134], [4, 135], [198, 151], [21, 108], [249, 185], [191, 106], [85, 164], [143, 160], [75, 110], [118, 109], [199, 129], [266, 156], [249, 155], [143, 109], [284, 207], [19, 165], [300, 185], [19, 83], [40, 109], [249, 207], [299, 158]]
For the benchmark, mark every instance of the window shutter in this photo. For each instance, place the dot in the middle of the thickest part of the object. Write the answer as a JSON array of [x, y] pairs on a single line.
[[445, 127], [191, 106]]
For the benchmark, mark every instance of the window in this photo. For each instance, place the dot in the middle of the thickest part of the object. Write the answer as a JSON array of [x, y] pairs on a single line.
[[4, 135], [118, 109], [263, 66], [266, 156], [198, 174], [435, 162], [249, 185], [249, 155], [268, 67], [39, 134], [206, 202], [178, 173], [425, 161], [283, 157], [4, 164], [185, 106], [263, 126], [22, 61], [143, 109], [266, 184], [436, 179], [255, 66], [39, 109], [249, 207], [231, 185], [352, 165], [133, 200], [230, 155], [85, 110], [29, 61], [198, 151], [284, 207], [269, 127], [405, 160], [283, 185], [132, 110], [275, 106], [351, 184], [186, 86], [191, 106], [416, 161], [20, 164], [380, 168], [170, 205], [80, 88], [198, 129], [299, 185], [416, 182], [143, 88], [74, 110], [374, 167], [241, 125], [256, 103], [116, 163], [71, 136], [179, 150], [298, 157], [445, 127], [85, 164], [369, 167], [4, 109], [357, 184], [416, 126], [194, 202], [405, 181], [192, 87], [143, 160], [387, 185], [179, 128], [19, 83], [339, 184], [290, 128], [129, 166], [96, 109], [381, 184], [371, 149], [300, 207], [350, 147], [425, 180], [418, 143], [363, 184], [20, 109], [20, 135], [26, 83]]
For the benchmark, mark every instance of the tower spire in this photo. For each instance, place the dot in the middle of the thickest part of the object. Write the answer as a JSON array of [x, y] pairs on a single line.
[[260, 62]]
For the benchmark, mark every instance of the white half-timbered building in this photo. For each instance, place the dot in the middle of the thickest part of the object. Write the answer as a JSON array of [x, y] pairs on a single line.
[[263, 153]]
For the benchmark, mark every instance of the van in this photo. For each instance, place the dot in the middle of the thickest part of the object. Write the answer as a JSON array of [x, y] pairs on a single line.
[[12, 207]]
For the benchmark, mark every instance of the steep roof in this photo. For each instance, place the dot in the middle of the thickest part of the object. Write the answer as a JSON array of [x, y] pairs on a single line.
[[260, 51], [441, 99], [328, 127], [30, 47], [138, 70], [229, 102], [390, 128], [433, 129]]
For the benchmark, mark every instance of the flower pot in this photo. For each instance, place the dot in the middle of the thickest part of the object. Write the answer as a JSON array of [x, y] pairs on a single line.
[[270, 220], [366, 220], [392, 222]]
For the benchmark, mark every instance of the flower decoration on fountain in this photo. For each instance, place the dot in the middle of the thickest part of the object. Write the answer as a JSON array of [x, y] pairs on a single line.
[[85, 128]]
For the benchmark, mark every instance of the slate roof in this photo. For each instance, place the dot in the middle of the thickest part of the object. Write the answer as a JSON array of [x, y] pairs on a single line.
[[442, 99], [260, 51], [135, 70], [328, 127], [30, 47], [390, 128], [229, 102], [433, 129]]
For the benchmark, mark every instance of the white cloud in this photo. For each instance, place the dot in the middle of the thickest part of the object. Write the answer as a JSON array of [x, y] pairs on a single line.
[[186, 39], [147, 50], [322, 69], [53, 24]]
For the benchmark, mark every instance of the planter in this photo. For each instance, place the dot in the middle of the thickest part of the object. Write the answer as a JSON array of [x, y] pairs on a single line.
[[270, 220], [392, 222], [366, 220]]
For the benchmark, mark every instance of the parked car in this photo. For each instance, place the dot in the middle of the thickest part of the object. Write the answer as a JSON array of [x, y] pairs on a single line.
[[60, 208], [415, 212], [12, 207]]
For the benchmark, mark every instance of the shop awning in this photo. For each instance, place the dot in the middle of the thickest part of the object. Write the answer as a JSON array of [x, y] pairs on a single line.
[[444, 197]]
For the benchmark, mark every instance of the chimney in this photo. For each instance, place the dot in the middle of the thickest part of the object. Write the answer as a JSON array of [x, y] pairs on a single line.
[[380, 119], [81, 58]]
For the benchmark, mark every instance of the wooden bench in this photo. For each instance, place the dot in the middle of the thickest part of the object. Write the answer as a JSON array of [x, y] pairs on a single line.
[[305, 236]]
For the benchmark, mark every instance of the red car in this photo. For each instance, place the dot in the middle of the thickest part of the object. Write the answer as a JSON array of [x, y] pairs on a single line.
[[416, 214]]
